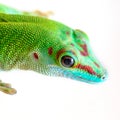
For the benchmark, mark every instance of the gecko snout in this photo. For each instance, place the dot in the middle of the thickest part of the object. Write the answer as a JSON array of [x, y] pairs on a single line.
[[104, 76]]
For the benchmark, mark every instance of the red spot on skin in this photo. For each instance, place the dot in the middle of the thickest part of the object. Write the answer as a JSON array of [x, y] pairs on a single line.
[[35, 56], [60, 52], [85, 51], [50, 50], [68, 33], [96, 64], [86, 68]]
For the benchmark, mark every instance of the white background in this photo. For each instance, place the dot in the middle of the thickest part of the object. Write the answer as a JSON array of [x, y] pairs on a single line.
[[51, 98]]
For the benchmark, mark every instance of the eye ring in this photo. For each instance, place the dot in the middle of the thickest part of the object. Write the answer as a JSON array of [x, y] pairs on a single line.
[[67, 61]]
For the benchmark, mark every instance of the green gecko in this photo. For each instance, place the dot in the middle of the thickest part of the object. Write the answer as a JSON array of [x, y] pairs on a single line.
[[31, 42]]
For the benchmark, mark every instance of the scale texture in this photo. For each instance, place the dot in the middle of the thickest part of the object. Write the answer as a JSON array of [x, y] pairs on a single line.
[[37, 43]]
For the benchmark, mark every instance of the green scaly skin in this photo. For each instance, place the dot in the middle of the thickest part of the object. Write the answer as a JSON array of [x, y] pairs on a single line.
[[35, 43]]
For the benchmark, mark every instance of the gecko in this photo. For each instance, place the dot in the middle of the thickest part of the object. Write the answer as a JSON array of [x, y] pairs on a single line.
[[29, 41]]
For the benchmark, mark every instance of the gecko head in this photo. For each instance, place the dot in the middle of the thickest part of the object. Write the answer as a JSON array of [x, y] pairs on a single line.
[[77, 61]]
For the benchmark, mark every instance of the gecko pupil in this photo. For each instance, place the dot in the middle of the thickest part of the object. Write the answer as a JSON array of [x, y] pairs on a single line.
[[67, 61]]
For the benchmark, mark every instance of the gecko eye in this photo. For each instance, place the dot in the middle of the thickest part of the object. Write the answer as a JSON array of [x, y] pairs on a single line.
[[67, 61]]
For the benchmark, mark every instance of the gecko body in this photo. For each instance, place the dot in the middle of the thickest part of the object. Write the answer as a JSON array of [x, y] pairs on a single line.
[[46, 46]]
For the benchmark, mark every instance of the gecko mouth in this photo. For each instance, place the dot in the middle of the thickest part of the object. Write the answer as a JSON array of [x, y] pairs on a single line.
[[86, 76], [79, 75], [91, 80]]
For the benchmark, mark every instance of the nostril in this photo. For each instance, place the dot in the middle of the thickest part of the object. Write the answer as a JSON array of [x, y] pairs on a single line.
[[103, 77]]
